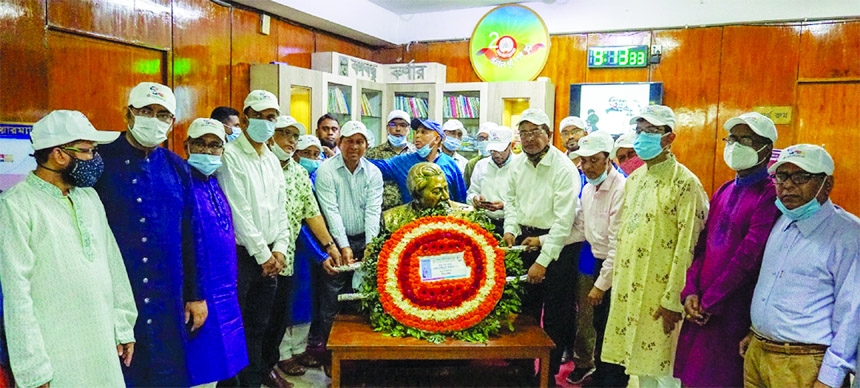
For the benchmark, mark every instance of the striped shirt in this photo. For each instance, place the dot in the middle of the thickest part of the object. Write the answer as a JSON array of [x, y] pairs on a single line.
[[350, 201]]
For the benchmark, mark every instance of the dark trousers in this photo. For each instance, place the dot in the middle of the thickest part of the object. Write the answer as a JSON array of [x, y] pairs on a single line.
[[498, 225], [607, 374], [555, 297], [332, 286], [278, 322], [256, 296]]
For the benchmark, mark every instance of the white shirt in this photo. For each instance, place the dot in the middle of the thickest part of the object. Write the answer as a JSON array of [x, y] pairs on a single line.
[[461, 161], [350, 201], [544, 197], [255, 188], [491, 181], [602, 215]]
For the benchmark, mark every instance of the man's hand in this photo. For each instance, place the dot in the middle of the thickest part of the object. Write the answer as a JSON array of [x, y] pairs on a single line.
[[536, 273], [745, 343], [670, 318], [493, 206], [328, 152], [273, 266], [125, 353], [478, 202], [532, 243], [595, 296], [334, 253], [346, 255], [693, 308], [198, 311], [509, 239], [328, 266]]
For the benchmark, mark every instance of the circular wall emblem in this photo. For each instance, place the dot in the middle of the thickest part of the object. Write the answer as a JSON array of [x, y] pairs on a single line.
[[510, 43]]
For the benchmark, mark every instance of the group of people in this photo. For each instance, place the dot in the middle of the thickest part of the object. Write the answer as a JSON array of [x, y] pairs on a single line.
[[123, 264]]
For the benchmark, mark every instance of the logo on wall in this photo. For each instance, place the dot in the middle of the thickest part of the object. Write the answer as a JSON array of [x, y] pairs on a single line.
[[510, 43]]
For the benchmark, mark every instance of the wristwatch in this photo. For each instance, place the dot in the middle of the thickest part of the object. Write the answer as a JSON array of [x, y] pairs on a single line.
[[328, 244]]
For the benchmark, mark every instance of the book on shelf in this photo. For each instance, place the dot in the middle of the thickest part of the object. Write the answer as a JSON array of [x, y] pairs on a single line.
[[366, 107], [416, 106], [462, 107], [337, 102]]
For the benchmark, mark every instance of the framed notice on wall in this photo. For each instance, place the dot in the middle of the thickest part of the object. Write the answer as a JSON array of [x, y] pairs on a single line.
[[510, 43], [15, 151]]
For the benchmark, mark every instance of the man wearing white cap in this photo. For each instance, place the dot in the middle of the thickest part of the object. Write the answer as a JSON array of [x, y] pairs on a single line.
[[68, 305], [253, 182], [218, 351], [490, 178], [307, 155], [349, 190], [398, 129], [146, 191], [624, 154], [572, 129], [453, 139], [601, 197], [806, 305], [542, 196], [482, 137], [721, 279], [664, 210]]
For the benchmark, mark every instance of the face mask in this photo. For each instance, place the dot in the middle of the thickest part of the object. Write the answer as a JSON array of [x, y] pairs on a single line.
[[647, 145], [452, 143], [260, 130], [482, 148], [804, 211], [597, 181], [424, 151], [235, 135], [149, 131], [84, 173], [397, 140], [631, 164], [205, 163], [280, 153], [740, 157], [310, 165]]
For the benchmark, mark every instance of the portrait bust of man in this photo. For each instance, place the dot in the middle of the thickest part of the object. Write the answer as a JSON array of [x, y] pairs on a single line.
[[428, 186]]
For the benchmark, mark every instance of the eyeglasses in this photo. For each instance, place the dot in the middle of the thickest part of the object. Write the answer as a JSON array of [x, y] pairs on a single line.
[[398, 125], [743, 140], [91, 151], [798, 178], [294, 136], [214, 148], [259, 116], [569, 132], [531, 134], [166, 117], [650, 129]]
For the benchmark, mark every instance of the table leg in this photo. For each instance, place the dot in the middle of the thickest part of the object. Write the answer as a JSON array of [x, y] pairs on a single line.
[[335, 370], [544, 369]]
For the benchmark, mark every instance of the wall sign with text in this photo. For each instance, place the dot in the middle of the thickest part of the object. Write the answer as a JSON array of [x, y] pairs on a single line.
[[617, 56], [510, 43]]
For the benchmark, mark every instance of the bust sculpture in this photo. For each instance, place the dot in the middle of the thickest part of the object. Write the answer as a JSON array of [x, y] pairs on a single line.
[[428, 186]]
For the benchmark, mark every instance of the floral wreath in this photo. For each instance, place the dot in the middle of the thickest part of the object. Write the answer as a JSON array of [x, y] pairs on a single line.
[[401, 301]]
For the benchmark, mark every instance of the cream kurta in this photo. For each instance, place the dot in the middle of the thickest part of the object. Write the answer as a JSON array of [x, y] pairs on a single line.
[[664, 210], [67, 299]]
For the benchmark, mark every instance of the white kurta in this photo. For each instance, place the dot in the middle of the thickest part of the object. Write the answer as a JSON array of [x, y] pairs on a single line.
[[66, 296]]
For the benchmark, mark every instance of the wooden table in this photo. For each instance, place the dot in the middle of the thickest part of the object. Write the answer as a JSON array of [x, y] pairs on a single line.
[[352, 338]]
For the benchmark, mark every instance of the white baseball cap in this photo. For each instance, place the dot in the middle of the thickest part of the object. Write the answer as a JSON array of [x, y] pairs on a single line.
[[399, 114], [535, 116], [148, 93], [500, 138], [759, 123], [453, 125], [656, 115], [809, 157], [289, 121], [571, 121], [598, 141], [626, 140], [485, 127], [353, 127], [306, 141], [203, 126], [260, 100], [65, 126]]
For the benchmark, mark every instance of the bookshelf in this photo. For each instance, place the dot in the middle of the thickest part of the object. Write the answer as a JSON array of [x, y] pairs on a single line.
[[297, 89], [371, 96], [416, 99], [465, 102]]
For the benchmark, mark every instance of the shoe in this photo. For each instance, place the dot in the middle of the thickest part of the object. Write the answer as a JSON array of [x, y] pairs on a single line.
[[274, 380], [577, 375], [307, 360], [291, 367], [565, 357]]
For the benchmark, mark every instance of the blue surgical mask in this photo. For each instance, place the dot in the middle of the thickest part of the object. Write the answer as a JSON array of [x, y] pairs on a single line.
[[482, 148], [235, 135], [647, 145], [804, 211], [205, 163], [309, 164], [260, 130], [451, 143], [597, 181], [397, 140], [424, 151]]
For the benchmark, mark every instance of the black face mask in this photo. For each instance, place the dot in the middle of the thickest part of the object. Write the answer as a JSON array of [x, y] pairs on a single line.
[[84, 173]]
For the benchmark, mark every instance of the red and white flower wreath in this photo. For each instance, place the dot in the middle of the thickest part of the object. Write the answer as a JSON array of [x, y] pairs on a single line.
[[441, 305]]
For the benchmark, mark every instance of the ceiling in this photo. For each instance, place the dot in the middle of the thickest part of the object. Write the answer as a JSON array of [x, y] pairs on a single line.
[[411, 7]]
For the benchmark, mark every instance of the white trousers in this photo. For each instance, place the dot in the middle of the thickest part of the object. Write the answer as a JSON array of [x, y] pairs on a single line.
[[295, 341]]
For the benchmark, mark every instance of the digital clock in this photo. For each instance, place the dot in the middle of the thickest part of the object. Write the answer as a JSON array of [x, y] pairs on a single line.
[[617, 56]]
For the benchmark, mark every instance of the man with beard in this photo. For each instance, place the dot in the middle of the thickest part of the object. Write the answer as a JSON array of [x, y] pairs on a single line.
[[328, 131]]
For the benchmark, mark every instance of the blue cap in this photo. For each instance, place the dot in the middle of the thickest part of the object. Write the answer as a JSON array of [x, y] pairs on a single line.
[[429, 124]]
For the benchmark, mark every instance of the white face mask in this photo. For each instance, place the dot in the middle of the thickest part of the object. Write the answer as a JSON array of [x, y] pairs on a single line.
[[280, 153], [740, 157], [149, 131]]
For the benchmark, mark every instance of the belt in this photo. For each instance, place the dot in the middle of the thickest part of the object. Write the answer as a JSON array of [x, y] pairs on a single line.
[[531, 230], [359, 236], [789, 347]]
